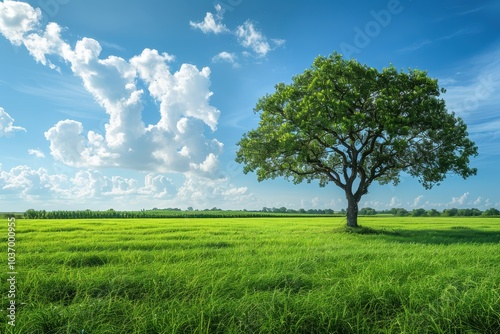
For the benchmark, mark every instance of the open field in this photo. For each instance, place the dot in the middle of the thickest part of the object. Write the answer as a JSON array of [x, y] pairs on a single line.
[[256, 275]]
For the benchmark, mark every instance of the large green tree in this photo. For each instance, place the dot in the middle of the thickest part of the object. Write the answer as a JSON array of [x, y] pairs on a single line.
[[346, 123]]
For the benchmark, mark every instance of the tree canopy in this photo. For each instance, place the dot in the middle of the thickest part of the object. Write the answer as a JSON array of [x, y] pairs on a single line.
[[346, 123]]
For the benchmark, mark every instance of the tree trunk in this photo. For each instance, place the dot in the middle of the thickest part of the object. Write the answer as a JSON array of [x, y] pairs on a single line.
[[352, 211]]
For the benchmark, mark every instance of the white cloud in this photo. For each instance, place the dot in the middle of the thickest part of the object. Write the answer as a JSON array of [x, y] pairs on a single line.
[[473, 92], [37, 153], [278, 42], [465, 98], [249, 37], [315, 202], [66, 142], [16, 19], [212, 23], [7, 127], [198, 191], [460, 200], [177, 143], [25, 183], [93, 184], [395, 202], [158, 186], [418, 201], [226, 57], [32, 184], [49, 43]]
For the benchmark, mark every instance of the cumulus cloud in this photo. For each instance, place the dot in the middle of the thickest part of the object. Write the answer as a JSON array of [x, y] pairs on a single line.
[[49, 42], [37, 153], [158, 186], [177, 143], [226, 57], [202, 192], [93, 184], [212, 23], [26, 183], [460, 200], [17, 19], [32, 184], [251, 38], [395, 202], [479, 200], [23, 182], [7, 127], [418, 201], [315, 202], [247, 35]]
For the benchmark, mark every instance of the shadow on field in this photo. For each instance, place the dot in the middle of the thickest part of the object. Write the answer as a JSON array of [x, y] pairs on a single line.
[[454, 235]]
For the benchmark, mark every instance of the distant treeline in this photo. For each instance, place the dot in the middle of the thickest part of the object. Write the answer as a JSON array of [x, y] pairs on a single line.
[[171, 213], [265, 212], [400, 212]]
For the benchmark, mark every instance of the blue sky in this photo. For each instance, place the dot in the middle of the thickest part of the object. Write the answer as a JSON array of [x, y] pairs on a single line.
[[140, 104]]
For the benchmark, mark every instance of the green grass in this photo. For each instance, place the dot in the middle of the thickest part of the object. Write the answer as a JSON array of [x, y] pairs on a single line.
[[256, 275]]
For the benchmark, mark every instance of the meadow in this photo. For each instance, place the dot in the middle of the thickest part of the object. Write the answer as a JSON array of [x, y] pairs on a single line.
[[255, 275]]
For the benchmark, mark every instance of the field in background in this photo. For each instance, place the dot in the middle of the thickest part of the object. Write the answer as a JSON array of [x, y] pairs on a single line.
[[256, 275]]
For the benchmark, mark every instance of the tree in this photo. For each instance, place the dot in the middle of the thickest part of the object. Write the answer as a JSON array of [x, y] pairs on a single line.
[[30, 214], [418, 212], [399, 212], [350, 124], [367, 212], [491, 212], [433, 213], [476, 212], [450, 212]]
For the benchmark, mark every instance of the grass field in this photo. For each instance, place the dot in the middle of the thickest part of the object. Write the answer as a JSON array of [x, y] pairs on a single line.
[[256, 275]]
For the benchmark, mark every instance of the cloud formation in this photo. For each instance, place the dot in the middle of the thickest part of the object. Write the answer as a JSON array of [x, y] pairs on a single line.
[[7, 127], [247, 35], [227, 57], [250, 38], [31, 184], [17, 19], [177, 143], [212, 23], [473, 94], [28, 184], [37, 153]]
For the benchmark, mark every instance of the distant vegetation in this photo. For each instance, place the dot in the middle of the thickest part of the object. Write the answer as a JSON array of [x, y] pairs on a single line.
[[265, 212], [454, 212], [173, 213]]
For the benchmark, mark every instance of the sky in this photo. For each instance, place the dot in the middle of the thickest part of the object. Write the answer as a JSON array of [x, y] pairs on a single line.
[[141, 104]]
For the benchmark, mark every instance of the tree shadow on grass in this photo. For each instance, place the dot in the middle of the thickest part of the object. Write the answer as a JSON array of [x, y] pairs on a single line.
[[453, 235]]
